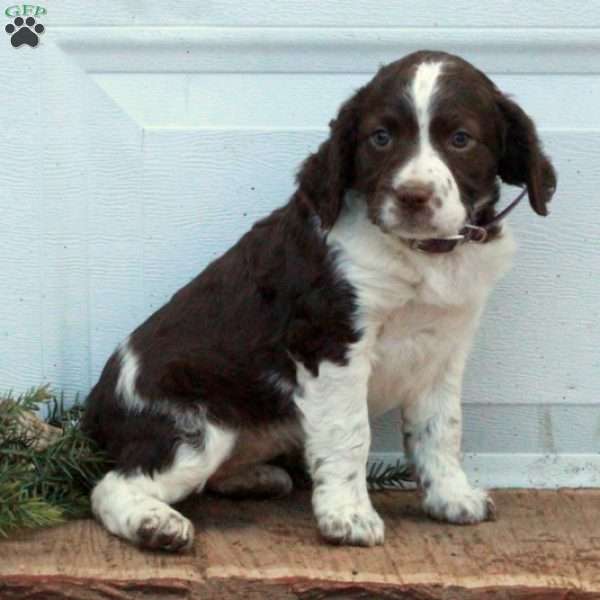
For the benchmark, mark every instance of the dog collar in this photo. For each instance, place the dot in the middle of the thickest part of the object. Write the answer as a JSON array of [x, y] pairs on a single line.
[[469, 233]]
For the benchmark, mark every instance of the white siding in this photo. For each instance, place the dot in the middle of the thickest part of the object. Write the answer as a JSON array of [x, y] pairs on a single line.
[[140, 141]]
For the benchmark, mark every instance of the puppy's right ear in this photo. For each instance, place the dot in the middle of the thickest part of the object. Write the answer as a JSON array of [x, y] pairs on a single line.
[[325, 175]]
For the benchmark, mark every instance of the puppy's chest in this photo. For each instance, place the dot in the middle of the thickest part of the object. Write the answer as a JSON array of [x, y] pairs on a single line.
[[411, 347], [414, 310], [421, 321]]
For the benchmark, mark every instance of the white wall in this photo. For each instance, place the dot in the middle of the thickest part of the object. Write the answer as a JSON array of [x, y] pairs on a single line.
[[139, 141]]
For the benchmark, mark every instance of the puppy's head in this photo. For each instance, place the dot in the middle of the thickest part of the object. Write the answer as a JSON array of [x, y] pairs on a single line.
[[424, 142]]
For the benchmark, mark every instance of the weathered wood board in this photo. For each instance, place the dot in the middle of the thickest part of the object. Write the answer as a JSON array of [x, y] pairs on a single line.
[[544, 546]]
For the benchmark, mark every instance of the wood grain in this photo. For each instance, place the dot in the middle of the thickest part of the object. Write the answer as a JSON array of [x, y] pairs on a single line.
[[545, 545]]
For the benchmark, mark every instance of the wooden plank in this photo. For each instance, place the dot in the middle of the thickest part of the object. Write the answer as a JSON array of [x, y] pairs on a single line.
[[544, 545]]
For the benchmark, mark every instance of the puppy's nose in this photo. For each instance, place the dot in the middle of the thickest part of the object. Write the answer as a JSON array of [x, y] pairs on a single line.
[[414, 196]]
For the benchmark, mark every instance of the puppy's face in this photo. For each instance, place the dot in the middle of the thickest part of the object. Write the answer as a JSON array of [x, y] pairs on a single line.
[[424, 142], [428, 146]]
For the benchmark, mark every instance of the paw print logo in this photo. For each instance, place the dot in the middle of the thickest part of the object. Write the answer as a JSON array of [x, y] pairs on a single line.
[[24, 32]]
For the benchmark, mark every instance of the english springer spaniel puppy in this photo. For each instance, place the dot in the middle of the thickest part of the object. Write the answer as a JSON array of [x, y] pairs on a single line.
[[360, 294]]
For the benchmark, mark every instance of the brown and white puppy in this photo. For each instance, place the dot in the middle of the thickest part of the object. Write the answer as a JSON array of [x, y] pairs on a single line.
[[326, 312]]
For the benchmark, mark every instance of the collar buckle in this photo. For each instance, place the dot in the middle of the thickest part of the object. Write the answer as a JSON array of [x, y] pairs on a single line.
[[474, 233]]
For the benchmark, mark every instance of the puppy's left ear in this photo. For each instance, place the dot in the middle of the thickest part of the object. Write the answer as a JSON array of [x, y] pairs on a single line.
[[522, 160]]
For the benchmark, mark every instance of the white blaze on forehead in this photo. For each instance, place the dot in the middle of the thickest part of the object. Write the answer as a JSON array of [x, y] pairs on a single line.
[[427, 165], [423, 88]]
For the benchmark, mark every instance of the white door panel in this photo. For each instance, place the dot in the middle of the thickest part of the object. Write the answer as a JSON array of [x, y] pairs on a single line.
[[139, 142]]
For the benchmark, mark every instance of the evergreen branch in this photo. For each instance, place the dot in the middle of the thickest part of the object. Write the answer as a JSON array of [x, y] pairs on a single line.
[[382, 476], [43, 484]]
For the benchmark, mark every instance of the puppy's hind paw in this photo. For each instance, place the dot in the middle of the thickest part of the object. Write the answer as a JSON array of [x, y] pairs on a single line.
[[165, 529]]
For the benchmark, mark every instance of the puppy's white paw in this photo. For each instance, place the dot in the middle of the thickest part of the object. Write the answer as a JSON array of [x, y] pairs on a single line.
[[463, 505], [353, 526], [161, 528]]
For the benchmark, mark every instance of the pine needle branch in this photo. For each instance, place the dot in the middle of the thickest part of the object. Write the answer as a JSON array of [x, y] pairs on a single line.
[[47, 465], [382, 476]]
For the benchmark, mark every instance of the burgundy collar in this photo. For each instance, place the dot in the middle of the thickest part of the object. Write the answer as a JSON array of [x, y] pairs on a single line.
[[469, 233]]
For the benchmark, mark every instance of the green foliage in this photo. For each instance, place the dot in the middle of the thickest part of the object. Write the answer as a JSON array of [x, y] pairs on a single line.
[[381, 476], [44, 487]]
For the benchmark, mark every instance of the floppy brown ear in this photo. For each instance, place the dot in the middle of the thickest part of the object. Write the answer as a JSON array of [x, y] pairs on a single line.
[[522, 160], [325, 175]]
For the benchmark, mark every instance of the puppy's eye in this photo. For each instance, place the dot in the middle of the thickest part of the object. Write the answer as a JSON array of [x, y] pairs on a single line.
[[460, 139], [381, 138]]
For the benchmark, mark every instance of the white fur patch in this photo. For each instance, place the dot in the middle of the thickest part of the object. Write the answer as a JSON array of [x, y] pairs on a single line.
[[431, 415], [129, 364], [336, 426], [135, 506], [128, 374], [423, 89]]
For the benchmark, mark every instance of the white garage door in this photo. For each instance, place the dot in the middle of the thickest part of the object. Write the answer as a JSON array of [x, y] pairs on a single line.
[[139, 140]]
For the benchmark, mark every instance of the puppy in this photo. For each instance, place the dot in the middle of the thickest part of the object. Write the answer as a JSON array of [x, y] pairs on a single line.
[[362, 293]]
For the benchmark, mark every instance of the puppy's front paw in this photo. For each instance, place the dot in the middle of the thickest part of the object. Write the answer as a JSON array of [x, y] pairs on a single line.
[[463, 505], [352, 526], [162, 528]]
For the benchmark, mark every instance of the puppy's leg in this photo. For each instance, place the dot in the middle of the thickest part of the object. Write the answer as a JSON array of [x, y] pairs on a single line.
[[135, 505], [334, 407], [432, 438], [254, 481]]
